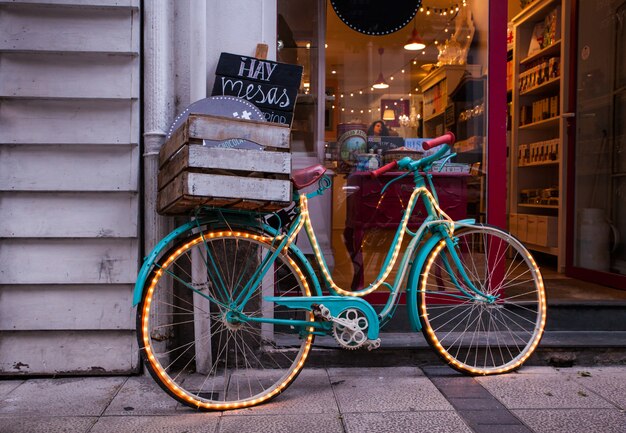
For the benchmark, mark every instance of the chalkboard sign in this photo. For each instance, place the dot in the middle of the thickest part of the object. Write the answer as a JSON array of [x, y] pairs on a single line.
[[376, 17], [271, 86]]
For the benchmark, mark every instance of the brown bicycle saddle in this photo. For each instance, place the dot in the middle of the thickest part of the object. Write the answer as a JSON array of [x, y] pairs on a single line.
[[307, 176]]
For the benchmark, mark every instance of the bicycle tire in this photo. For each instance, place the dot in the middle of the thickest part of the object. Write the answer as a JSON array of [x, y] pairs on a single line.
[[475, 336], [195, 347]]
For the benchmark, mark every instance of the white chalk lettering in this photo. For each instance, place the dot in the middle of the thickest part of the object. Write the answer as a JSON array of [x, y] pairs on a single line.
[[226, 82], [275, 118], [270, 69], [256, 93], [254, 70], [243, 69]]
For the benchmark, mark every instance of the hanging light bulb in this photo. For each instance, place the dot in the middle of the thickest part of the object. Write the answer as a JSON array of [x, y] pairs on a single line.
[[414, 43], [380, 82]]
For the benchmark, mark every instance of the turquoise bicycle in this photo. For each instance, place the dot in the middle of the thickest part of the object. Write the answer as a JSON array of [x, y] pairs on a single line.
[[229, 306]]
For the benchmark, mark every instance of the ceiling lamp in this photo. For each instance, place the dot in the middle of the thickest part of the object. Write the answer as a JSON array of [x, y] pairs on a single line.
[[414, 43], [380, 81]]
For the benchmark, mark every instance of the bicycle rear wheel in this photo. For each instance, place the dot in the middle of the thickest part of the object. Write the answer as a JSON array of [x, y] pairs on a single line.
[[472, 334], [194, 328]]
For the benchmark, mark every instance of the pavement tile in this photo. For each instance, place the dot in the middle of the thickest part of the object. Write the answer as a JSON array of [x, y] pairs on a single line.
[[497, 428], [441, 371], [62, 397], [460, 387], [61, 424], [309, 393], [402, 422], [489, 417], [6, 386], [574, 420], [475, 403], [608, 382], [188, 423], [535, 369], [318, 423], [141, 395], [541, 391], [372, 372], [384, 393]]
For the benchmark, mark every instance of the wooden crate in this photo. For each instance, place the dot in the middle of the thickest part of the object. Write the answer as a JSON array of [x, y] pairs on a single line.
[[192, 174]]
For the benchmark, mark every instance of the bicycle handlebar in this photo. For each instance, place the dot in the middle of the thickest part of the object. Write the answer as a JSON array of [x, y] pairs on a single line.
[[385, 168], [447, 138], [407, 163]]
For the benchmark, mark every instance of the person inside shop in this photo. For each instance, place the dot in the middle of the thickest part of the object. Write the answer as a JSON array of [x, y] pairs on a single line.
[[378, 129]]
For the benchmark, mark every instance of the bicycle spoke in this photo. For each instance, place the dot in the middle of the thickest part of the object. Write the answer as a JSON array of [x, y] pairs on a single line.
[[204, 347], [482, 335]]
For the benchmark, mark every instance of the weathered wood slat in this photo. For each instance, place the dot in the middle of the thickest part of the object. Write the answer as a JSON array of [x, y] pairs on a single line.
[[56, 307], [118, 4], [69, 167], [200, 127], [69, 261], [186, 204], [206, 188], [69, 121], [200, 158], [28, 27], [72, 215], [63, 352], [69, 75]]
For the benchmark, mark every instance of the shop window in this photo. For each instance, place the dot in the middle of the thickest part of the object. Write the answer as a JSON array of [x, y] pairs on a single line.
[[415, 94]]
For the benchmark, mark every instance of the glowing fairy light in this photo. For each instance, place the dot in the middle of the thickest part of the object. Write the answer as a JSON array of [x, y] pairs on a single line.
[[394, 255], [158, 368]]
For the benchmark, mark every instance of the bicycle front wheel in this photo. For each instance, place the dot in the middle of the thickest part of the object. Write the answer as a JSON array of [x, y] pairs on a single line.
[[209, 337], [495, 329]]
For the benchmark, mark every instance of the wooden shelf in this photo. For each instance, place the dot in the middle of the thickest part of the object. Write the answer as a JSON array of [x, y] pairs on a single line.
[[550, 85], [542, 124], [545, 173], [539, 206], [552, 50], [554, 251], [539, 164], [432, 116]]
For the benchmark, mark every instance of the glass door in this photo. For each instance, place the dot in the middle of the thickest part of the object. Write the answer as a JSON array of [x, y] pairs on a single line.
[[597, 211]]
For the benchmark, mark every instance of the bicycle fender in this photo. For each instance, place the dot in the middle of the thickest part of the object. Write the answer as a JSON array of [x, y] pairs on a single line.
[[336, 304], [151, 259], [414, 275], [413, 281]]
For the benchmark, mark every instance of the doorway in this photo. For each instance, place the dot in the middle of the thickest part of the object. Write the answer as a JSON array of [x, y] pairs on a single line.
[[597, 198]]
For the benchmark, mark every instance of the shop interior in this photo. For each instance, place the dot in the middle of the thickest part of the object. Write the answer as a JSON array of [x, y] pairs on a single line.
[[421, 81]]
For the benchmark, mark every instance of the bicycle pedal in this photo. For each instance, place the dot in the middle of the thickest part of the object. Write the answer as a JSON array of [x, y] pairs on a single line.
[[372, 344]]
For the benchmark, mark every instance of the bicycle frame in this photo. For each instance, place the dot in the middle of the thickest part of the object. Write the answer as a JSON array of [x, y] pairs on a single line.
[[437, 224]]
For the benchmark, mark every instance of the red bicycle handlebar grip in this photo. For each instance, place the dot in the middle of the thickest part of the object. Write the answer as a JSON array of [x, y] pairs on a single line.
[[447, 138], [385, 168]]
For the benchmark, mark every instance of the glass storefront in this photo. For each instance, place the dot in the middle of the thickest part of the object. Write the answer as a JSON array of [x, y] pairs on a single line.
[[367, 100], [381, 100], [599, 210]]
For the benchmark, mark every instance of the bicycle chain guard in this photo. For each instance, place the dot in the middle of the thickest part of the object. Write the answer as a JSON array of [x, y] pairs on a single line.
[[349, 328]]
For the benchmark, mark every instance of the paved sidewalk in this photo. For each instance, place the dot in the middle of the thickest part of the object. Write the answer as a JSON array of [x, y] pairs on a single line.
[[398, 399]]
